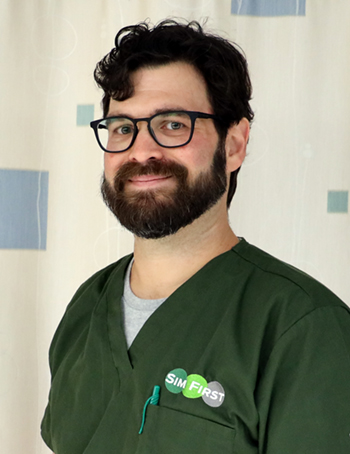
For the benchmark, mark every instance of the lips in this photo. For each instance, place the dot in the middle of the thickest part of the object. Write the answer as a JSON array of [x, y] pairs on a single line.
[[148, 181], [148, 178]]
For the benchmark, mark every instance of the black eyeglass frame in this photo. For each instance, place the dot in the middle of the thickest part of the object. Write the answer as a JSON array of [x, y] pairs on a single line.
[[95, 125]]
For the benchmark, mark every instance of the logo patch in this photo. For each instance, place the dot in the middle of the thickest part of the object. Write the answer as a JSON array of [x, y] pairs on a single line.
[[194, 386]]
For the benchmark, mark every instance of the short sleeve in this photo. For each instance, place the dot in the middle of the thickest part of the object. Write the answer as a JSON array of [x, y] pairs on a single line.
[[303, 397]]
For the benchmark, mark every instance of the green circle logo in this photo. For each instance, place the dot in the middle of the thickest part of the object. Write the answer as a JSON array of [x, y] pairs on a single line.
[[176, 381], [194, 386]]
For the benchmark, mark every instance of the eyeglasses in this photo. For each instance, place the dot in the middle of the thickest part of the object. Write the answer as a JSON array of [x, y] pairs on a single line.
[[170, 129]]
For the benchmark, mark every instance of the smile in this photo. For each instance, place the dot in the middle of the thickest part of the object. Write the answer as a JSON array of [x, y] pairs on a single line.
[[148, 180]]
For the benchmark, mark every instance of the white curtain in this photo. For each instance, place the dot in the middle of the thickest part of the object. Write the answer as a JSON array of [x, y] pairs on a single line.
[[292, 199]]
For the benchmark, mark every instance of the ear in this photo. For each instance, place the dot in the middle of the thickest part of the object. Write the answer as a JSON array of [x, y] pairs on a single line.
[[236, 144]]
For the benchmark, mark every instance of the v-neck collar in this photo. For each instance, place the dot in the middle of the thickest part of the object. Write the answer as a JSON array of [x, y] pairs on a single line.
[[185, 301]]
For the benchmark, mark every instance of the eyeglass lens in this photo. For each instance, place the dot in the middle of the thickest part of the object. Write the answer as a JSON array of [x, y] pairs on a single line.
[[170, 129]]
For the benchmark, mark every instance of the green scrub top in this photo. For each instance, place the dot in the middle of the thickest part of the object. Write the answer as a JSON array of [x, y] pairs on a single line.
[[251, 356]]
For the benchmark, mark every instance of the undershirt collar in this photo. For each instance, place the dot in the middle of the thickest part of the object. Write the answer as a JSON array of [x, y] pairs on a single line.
[[136, 310]]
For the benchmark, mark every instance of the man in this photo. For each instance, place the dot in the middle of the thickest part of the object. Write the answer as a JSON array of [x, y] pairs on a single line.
[[198, 342]]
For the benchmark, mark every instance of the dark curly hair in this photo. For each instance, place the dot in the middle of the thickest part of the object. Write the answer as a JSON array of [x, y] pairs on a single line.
[[220, 62]]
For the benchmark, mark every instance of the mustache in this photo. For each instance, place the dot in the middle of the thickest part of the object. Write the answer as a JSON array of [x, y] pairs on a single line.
[[152, 167]]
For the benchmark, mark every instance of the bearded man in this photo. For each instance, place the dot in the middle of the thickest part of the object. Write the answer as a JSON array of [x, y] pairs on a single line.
[[198, 342]]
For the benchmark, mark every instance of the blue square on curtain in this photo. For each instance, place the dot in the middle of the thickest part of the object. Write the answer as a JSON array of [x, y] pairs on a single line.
[[268, 7], [338, 202], [85, 114], [23, 209]]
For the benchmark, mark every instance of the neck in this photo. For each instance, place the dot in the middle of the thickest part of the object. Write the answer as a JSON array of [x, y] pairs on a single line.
[[163, 265]]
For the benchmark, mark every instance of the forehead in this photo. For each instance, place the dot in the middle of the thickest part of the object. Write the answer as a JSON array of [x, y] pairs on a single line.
[[174, 86]]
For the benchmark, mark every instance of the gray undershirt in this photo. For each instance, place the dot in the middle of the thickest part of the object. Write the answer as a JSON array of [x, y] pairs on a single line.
[[135, 310]]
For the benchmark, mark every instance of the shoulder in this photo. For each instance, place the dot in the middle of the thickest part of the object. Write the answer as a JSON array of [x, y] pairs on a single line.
[[280, 277], [88, 299], [288, 310], [98, 282]]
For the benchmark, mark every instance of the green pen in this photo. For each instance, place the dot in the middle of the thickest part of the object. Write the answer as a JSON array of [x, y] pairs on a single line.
[[153, 400]]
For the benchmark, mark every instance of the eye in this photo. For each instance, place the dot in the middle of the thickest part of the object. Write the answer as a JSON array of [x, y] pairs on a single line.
[[174, 125], [120, 127], [125, 129], [171, 124]]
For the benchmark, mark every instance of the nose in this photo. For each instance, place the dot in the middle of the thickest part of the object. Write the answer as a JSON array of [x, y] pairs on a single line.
[[144, 146]]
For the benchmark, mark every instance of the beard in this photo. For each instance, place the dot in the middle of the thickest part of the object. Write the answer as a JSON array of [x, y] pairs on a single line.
[[157, 213]]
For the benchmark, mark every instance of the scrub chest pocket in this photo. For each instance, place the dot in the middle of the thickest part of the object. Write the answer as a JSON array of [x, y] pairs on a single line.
[[172, 432]]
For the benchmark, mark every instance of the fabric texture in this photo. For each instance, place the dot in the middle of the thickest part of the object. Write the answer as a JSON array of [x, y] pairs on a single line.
[[275, 340]]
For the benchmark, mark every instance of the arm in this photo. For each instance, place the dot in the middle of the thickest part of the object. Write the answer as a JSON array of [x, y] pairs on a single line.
[[303, 397]]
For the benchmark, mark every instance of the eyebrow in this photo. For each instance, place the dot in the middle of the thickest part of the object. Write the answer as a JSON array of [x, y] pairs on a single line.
[[155, 112]]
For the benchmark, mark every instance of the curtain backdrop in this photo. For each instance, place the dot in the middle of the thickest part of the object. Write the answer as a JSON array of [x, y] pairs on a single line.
[[292, 198]]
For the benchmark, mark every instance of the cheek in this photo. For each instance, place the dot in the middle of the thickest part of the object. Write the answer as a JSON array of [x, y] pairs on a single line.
[[112, 162], [201, 156]]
